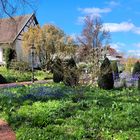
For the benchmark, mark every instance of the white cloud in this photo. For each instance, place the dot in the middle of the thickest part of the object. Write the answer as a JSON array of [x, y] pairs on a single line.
[[135, 53], [122, 27], [136, 30], [118, 46], [92, 12], [113, 3], [119, 27], [137, 45], [96, 12]]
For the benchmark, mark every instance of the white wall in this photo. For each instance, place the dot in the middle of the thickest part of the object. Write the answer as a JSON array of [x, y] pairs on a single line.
[[1, 56], [18, 48]]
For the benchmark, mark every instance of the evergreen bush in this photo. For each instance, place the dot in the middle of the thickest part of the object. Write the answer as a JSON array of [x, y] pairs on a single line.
[[71, 77], [115, 70], [136, 72], [2, 79], [136, 69], [57, 70], [9, 54], [105, 79]]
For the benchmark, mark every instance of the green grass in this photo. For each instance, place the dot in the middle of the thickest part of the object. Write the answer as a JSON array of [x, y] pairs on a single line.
[[56, 112], [17, 76]]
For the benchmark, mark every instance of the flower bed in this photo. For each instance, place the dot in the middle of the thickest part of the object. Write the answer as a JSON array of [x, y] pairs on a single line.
[[53, 111]]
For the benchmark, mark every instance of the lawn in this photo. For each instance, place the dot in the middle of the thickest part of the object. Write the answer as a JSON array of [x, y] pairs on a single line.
[[17, 76], [56, 112]]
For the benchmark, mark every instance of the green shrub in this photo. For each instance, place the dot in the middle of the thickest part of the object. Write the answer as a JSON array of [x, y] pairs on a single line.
[[136, 72], [12, 75], [105, 79], [115, 70], [85, 66], [57, 70], [136, 69], [49, 66], [20, 66], [9, 54], [71, 77], [2, 79]]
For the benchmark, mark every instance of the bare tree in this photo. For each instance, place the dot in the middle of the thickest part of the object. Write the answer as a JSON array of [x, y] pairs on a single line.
[[92, 40], [10, 7]]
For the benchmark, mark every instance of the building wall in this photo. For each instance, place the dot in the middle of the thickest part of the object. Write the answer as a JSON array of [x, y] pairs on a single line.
[[2, 47], [19, 52], [18, 48], [21, 56], [1, 56]]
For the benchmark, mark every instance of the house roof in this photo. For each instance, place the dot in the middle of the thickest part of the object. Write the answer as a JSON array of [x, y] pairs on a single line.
[[10, 28], [113, 52]]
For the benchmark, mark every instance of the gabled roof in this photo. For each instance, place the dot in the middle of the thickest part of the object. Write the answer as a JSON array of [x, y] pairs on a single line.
[[113, 52], [10, 28]]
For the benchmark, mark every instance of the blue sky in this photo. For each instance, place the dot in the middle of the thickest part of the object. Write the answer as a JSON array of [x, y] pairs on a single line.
[[121, 17]]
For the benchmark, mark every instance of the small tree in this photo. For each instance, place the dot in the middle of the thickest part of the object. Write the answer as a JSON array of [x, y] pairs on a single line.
[[136, 69], [92, 39], [105, 79], [58, 70], [129, 64], [71, 77], [49, 41]]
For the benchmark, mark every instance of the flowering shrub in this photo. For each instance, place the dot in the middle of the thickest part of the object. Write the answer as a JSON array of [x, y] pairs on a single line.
[[136, 75], [127, 80]]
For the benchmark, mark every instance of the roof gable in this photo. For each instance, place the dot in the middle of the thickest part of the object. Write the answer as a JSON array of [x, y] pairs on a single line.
[[10, 28]]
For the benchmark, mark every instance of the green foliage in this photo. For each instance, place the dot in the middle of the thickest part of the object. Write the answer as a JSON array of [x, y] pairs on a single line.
[[105, 79], [43, 75], [2, 79], [139, 84], [19, 76], [85, 113], [136, 69], [71, 63], [136, 72], [15, 76], [19, 66], [58, 72], [83, 66], [9, 54], [71, 77], [49, 41], [115, 70]]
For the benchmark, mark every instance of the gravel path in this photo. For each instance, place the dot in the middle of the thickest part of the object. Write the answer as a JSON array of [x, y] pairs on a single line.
[[6, 132], [9, 85]]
